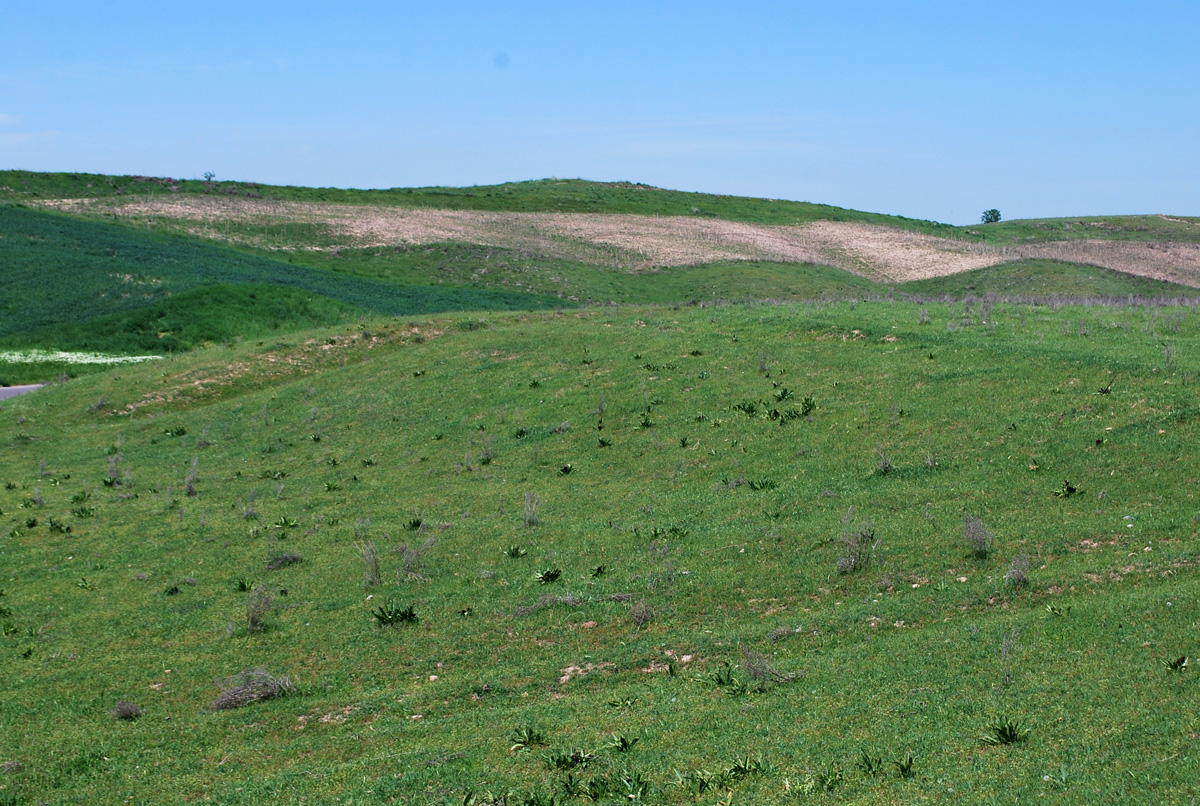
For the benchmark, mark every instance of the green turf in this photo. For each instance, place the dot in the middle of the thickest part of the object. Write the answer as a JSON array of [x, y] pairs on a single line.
[[474, 266], [1045, 279], [670, 447]]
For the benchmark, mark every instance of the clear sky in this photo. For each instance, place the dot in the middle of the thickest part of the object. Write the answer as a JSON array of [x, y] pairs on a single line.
[[926, 109]]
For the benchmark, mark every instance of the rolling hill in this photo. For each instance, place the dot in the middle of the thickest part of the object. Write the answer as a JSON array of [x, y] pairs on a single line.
[[407, 512]]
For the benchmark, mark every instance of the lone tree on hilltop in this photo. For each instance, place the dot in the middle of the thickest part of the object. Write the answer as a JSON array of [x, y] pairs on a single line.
[[990, 216]]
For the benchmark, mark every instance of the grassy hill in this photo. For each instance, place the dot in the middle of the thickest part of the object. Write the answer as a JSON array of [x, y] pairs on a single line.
[[583, 196], [1046, 279], [558, 195], [844, 551], [85, 285]]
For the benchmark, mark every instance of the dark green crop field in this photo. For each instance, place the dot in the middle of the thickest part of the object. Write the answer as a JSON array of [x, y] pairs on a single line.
[[85, 285]]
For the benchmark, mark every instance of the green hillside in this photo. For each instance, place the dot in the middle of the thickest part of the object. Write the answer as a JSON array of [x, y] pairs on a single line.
[[78, 284], [1045, 279], [831, 551], [556, 195]]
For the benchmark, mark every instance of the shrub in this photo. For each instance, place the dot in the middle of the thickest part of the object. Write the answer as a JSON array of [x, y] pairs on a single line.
[[371, 560], [759, 667], [250, 686], [977, 537], [282, 559], [411, 560], [858, 549], [991, 216], [126, 710], [641, 613], [189, 483], [1018, 572], [531, 507], [257, 607]]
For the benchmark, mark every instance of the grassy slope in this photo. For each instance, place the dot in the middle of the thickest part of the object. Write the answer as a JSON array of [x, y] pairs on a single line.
[[354, 441], [1045, 278], [78, 284], [481, 267], [1121, 228]]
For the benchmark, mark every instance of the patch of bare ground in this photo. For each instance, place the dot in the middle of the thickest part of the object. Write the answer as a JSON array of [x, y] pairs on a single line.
[[639, 243], [894, 255], [1173, 261]]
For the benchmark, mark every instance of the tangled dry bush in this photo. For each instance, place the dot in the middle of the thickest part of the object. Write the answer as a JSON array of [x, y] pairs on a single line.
[[250, 686]]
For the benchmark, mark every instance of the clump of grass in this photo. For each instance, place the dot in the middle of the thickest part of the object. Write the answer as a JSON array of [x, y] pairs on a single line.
[[126, 711], [977, 537], [250, 686], [515, 552], [549, 575], [1017, 576]]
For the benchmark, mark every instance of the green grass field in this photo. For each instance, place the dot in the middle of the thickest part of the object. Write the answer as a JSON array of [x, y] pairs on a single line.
[[768, 579], [442, 525]]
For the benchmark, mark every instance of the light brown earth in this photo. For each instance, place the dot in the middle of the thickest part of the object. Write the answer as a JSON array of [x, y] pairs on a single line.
[[635, 242]]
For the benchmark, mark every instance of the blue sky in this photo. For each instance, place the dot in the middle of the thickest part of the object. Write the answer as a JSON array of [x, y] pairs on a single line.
[[926, 109]]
